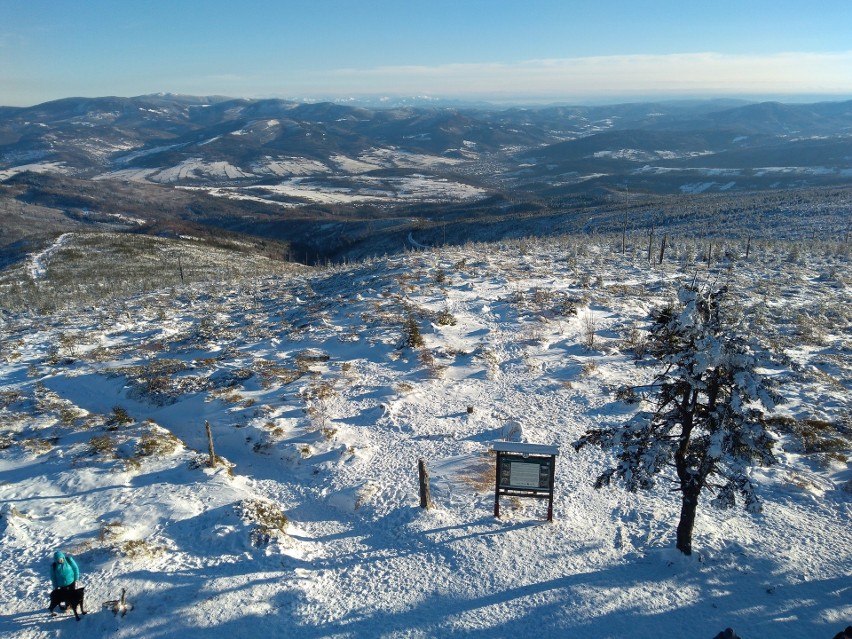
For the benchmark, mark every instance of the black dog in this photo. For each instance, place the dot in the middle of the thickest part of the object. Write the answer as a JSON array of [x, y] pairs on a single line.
[[71, 597]]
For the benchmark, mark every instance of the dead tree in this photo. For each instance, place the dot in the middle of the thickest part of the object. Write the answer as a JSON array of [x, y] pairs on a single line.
[[650, 246]]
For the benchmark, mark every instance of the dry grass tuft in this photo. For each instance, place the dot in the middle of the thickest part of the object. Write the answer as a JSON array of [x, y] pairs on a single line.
[[480, 474]]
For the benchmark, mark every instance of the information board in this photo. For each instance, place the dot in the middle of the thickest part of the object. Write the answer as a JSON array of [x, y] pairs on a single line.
[[525, 473], [525, 470]]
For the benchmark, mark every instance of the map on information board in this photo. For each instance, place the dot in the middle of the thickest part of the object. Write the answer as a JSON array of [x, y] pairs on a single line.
[[524, 474]]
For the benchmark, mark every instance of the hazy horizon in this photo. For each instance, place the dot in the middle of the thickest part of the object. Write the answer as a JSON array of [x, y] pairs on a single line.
[[390, 101]]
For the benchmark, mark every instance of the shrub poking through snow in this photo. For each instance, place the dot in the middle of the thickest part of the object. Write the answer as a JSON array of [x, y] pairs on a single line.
[[411, 336], [268, 519], [317, 397], [102, 445], [445, 318], [39, 445], [309, 358], [157, 443], [140, 549], [814, 437], [590, 328], [118, 418]]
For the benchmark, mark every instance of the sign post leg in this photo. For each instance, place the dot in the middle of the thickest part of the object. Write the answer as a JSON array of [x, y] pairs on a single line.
[[497, 489], [552, 487]]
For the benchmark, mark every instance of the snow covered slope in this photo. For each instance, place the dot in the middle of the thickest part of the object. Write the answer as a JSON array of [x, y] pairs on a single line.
[[309, 524]]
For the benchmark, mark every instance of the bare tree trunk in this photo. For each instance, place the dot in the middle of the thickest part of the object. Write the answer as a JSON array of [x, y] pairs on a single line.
[[748, 246], [688, 506], [689, 489], [425, 494], [662, 249]]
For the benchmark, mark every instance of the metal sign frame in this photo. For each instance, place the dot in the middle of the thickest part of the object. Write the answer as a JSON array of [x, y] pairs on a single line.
[[525, 470]]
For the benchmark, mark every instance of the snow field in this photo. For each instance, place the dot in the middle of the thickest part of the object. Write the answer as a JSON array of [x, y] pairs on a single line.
[[320, 413]]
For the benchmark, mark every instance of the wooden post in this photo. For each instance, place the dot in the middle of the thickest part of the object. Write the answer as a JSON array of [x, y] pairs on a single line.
[[212, 461], [425, 495]]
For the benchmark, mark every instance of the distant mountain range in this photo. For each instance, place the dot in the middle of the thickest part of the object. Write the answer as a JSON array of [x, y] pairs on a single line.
[[216, 141], [271, 158]]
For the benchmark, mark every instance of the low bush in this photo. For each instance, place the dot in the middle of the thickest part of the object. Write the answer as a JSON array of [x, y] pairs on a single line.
[[160, 443], [445, 318], [268, 519], [411, 336], [118, 418], [139, 549], [102, 445], [39, 445], [814, 436]]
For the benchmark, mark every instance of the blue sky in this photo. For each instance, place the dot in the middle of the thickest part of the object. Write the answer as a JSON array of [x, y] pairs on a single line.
[[520, 51]]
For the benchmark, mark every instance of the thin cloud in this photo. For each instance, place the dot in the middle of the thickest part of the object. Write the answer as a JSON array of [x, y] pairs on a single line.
[[10, 39], [793, 72]]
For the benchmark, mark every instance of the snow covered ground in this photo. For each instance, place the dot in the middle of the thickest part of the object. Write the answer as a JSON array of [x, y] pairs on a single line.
[[37, 261], [307, 180], [37, 167], [320, 414], [414, 188]]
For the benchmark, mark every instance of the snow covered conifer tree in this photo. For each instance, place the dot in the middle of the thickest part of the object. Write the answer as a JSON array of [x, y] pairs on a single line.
[[707, 418]]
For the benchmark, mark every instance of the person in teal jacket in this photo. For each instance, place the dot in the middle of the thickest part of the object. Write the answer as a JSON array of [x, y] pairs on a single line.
[[64, 574], [63, 571]]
